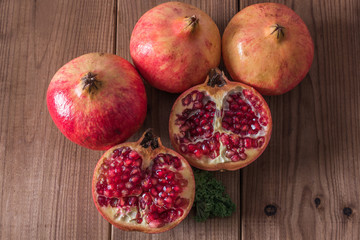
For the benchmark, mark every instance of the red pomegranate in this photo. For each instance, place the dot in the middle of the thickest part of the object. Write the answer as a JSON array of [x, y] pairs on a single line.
[[220, 124], [143, 186], [174, 45], [97, 100], [269, 47]]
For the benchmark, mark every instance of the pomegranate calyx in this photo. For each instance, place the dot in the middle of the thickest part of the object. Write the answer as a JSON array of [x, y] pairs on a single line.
[[216, 78], [279, 31], [90, 82], [149, 140], [192, 22]]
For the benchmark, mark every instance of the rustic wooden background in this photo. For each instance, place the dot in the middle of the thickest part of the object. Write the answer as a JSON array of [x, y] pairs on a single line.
[[309, 173]]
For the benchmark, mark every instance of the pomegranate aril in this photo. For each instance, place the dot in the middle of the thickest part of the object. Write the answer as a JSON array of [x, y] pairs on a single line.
[[247, 142], [160, 173], [159, 202], [235, 158], [111, 187], [135, 179], [179, 212], [114, 202], [242, 156], [176, 188], [108, 193], [229, 153], [132, 201], [153, 192], [136, 191], [103, 201], [125, 177]]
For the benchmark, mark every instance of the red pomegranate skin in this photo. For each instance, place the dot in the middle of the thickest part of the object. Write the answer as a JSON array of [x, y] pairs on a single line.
[[256, 55], [105, 116], [171, 54]]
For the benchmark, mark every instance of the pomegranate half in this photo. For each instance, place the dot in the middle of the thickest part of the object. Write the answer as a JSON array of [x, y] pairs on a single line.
[[269, 47], [220, 124], [97, 100], [174, 45], [143, 186]]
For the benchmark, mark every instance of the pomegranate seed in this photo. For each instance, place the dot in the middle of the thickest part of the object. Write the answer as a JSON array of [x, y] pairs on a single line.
[[156, 223], [108, 193], [176, 188], [235, 158], [186, 101], [153, 192], [125, 177], [120, 185], [111, 187], [261, 141], [160, 173], [139, 220], [136, 191], [114, 202], [183, 182], [229, 153], [124, 192], [159, 187], [243, 156], [159, 202], [132, 201], [179, 212], [102, 201], [111, 173], [197, 153], [247, 142], [191, 148], [135, 179], [127, 162]]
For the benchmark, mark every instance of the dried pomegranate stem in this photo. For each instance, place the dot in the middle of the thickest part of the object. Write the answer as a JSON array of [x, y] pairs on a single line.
[[216, 78], [279, 31], [150, 139], [90, 82], [192, 22]]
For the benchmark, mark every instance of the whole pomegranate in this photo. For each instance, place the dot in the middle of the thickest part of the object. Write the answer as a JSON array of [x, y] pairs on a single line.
[[220, 124], [174, 45], [143, 186], [97, 100], [269, 47]]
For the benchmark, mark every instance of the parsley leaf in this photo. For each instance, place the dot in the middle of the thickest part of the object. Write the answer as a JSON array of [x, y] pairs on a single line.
[[211, 199]]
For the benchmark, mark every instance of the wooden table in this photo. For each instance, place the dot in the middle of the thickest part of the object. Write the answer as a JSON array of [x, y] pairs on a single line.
[[310, 172]]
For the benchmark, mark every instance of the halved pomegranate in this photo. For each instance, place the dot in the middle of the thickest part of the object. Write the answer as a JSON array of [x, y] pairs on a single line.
[[143, 186], [220, 124]]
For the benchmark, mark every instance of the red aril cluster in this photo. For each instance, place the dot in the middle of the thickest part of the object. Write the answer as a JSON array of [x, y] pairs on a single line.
[[140, 188], [220, 124]]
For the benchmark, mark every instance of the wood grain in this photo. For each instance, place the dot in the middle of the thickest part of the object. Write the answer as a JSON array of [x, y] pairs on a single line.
[[45, 179], [160, 104], [310, 170]]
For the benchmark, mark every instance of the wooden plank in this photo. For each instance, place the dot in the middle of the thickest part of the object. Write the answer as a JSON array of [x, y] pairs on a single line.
[[310, 171], [160, 104], [45, 179]]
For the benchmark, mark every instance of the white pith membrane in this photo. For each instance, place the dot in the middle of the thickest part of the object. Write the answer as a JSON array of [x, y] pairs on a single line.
[[121, 208], [256, 131]]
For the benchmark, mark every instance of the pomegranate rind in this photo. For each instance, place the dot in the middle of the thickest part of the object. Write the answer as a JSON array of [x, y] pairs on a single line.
[[216, 92], [103, 118], [168, 54], [147, 155], [254, 55]]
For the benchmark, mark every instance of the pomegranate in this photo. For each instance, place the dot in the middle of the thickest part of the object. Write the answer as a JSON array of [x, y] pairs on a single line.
[[174, 45], [97, 100], [269, 47], [220, 124], [143, 186]]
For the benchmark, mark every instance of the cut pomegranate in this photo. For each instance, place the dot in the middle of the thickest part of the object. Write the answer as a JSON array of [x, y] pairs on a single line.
[[143, 186], [220, 124]]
